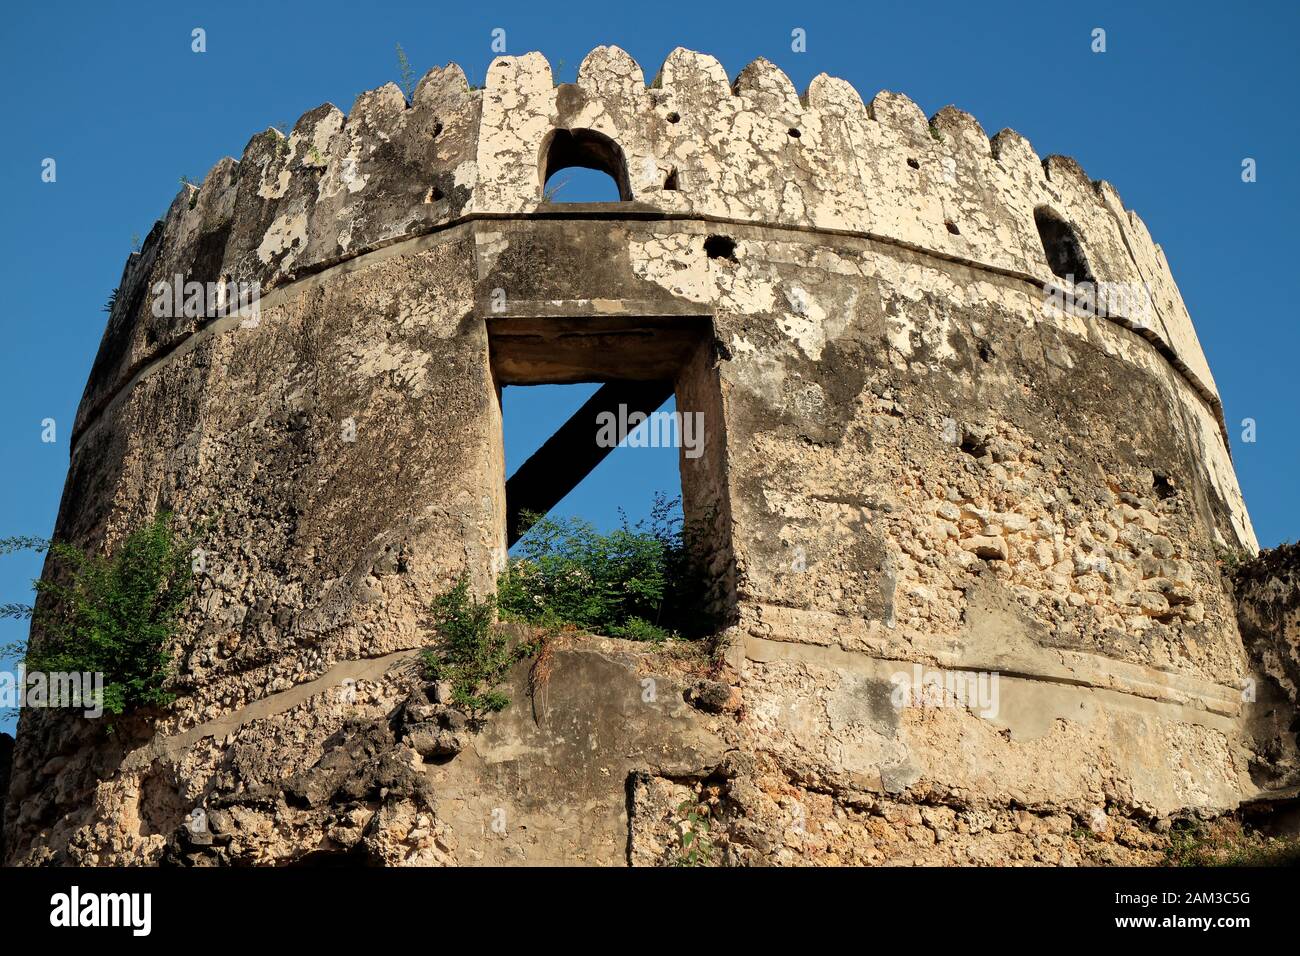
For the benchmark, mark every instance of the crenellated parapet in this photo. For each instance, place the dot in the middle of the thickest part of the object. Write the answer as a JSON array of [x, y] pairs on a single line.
[[693, 144], [941, 417], [336, 187]]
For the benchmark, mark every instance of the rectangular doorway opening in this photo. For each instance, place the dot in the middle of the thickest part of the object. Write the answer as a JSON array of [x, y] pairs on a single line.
[[614, 494]]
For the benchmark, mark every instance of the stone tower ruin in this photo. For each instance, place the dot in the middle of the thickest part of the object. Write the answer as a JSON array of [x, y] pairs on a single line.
[[957, 422]]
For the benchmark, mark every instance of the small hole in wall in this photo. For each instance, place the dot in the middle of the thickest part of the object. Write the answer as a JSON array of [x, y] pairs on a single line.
[[670, 183], [974, 443], [437, 128], [720, 247], [984, 350], [914, 164], [1164, 486], [674, 117], [794, 132], [433, 195], [952, 227]]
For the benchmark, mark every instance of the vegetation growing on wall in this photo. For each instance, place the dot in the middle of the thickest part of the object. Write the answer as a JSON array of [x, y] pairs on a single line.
[[1226, 842], [471, 654], [407, 74], [635, 582], [695, 834], [114, 615]]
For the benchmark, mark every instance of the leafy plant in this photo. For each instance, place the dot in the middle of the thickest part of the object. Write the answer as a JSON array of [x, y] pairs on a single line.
[[1226, 842], [638, 629], [1230, 559], [23, 543], [1082, 834], [279, 143], [406, 72], [695, 847], [113, 615], [634, 582], [471, 653]]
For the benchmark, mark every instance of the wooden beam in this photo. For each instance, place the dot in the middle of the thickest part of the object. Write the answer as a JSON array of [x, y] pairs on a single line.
[[571, 453]]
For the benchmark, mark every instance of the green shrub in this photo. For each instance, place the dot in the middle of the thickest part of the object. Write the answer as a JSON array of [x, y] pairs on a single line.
[[111, 615], [695, 835], [638, 629], [1230, 559], [407, 73], [471, 654], [1226, 842], [634, 582]]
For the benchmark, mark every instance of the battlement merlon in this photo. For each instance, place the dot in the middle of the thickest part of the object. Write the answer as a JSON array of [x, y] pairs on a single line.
[[751, 152]]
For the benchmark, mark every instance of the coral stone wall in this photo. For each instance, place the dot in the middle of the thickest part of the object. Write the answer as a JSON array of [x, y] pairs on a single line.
[[1267, 590], [918, 455]]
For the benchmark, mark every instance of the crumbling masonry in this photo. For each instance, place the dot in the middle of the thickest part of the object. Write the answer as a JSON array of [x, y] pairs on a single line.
[[937, 435]]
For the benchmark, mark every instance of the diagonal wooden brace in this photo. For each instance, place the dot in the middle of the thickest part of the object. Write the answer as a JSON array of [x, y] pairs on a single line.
[[571, 453]]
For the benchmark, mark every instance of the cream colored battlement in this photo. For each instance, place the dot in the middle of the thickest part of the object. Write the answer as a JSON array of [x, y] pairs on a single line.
[[754, 151]]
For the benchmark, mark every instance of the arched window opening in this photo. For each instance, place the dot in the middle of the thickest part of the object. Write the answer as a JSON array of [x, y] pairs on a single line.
[[1061, 244], [598, 168]]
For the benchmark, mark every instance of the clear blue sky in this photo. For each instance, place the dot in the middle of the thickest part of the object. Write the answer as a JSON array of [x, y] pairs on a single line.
[[1184, 92]]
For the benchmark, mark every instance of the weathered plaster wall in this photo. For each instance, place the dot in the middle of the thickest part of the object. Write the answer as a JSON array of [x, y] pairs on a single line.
[[910, 460], [1267, 591], [339, 460]]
